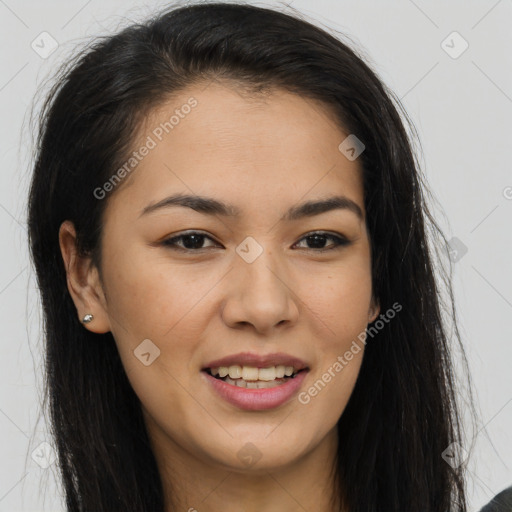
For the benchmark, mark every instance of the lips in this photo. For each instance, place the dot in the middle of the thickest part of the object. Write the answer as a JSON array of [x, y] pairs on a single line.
[[256, 399], [271, 374]]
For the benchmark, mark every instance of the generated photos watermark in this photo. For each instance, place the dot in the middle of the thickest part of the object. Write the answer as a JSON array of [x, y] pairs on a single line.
[[343, 360], [157, 135]]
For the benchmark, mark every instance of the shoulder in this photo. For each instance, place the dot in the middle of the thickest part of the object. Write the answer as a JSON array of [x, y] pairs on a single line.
[[502, 502]]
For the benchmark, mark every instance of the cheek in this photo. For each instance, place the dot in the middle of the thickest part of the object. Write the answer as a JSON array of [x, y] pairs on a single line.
[[341, 300], [150, 296], [341, 308], [156, 350], [152, 312], [327, 393]]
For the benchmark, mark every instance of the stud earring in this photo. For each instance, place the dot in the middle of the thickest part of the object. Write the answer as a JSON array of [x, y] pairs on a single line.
[[87, 318]]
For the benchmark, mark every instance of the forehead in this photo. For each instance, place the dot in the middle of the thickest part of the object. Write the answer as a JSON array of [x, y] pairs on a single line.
[[215, 140]]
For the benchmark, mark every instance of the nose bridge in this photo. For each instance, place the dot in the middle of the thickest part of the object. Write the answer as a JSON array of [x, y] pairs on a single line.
[[261, 275], [264, 275], [260, 294]]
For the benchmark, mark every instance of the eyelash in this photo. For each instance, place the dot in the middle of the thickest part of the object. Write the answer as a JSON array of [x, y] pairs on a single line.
[[340, 241]]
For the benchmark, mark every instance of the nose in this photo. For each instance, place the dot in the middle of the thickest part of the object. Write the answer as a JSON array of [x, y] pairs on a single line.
[[261, 296]]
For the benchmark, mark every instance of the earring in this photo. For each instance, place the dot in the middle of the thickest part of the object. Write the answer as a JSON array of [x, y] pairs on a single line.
[[87, 318]]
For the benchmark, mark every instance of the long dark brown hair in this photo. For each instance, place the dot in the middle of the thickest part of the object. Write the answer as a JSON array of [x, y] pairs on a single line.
[[402, 414]]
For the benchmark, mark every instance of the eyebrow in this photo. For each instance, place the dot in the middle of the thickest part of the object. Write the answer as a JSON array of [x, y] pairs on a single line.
[[210, 206]]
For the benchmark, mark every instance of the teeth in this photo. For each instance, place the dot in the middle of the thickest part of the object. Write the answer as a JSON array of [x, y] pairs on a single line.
[[235, 372], [241, 383], [267, 374], [249, 373], [253, 374]]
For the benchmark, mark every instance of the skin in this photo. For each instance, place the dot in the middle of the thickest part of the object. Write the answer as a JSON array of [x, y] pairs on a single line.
[[263, 154]]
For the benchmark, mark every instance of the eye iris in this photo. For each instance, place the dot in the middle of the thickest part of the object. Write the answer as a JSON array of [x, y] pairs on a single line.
[[317, 238], [197, 241]]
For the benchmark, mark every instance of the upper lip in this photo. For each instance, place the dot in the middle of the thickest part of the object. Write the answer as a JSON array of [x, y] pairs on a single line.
[[259, 361]]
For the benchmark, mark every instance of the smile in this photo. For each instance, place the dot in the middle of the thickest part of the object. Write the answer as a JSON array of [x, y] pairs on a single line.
[[252, 377], [253, 388]]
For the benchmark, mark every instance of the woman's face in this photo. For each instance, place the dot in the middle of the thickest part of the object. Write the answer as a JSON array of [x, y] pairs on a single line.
[[249, 283]]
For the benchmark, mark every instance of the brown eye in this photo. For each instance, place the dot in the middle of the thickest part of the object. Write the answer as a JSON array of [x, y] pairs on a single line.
[[318, 239], [191, 241]]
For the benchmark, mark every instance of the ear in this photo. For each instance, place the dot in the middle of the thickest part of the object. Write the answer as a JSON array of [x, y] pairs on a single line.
[[374, 310], [83, 281]]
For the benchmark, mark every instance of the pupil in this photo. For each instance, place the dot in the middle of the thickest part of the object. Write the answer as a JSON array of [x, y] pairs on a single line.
[[198, 241], [316, 239]]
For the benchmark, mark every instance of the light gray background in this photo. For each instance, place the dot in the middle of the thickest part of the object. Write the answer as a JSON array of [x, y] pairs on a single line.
[[462, 109]]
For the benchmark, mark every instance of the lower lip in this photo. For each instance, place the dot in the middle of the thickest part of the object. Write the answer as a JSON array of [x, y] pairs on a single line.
[[257, 399]]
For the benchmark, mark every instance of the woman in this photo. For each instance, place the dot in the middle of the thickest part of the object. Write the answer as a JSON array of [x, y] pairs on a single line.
[[231, 239]]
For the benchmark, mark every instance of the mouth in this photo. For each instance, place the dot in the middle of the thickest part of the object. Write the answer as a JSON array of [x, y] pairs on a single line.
[[252, 377], [256, 382]]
